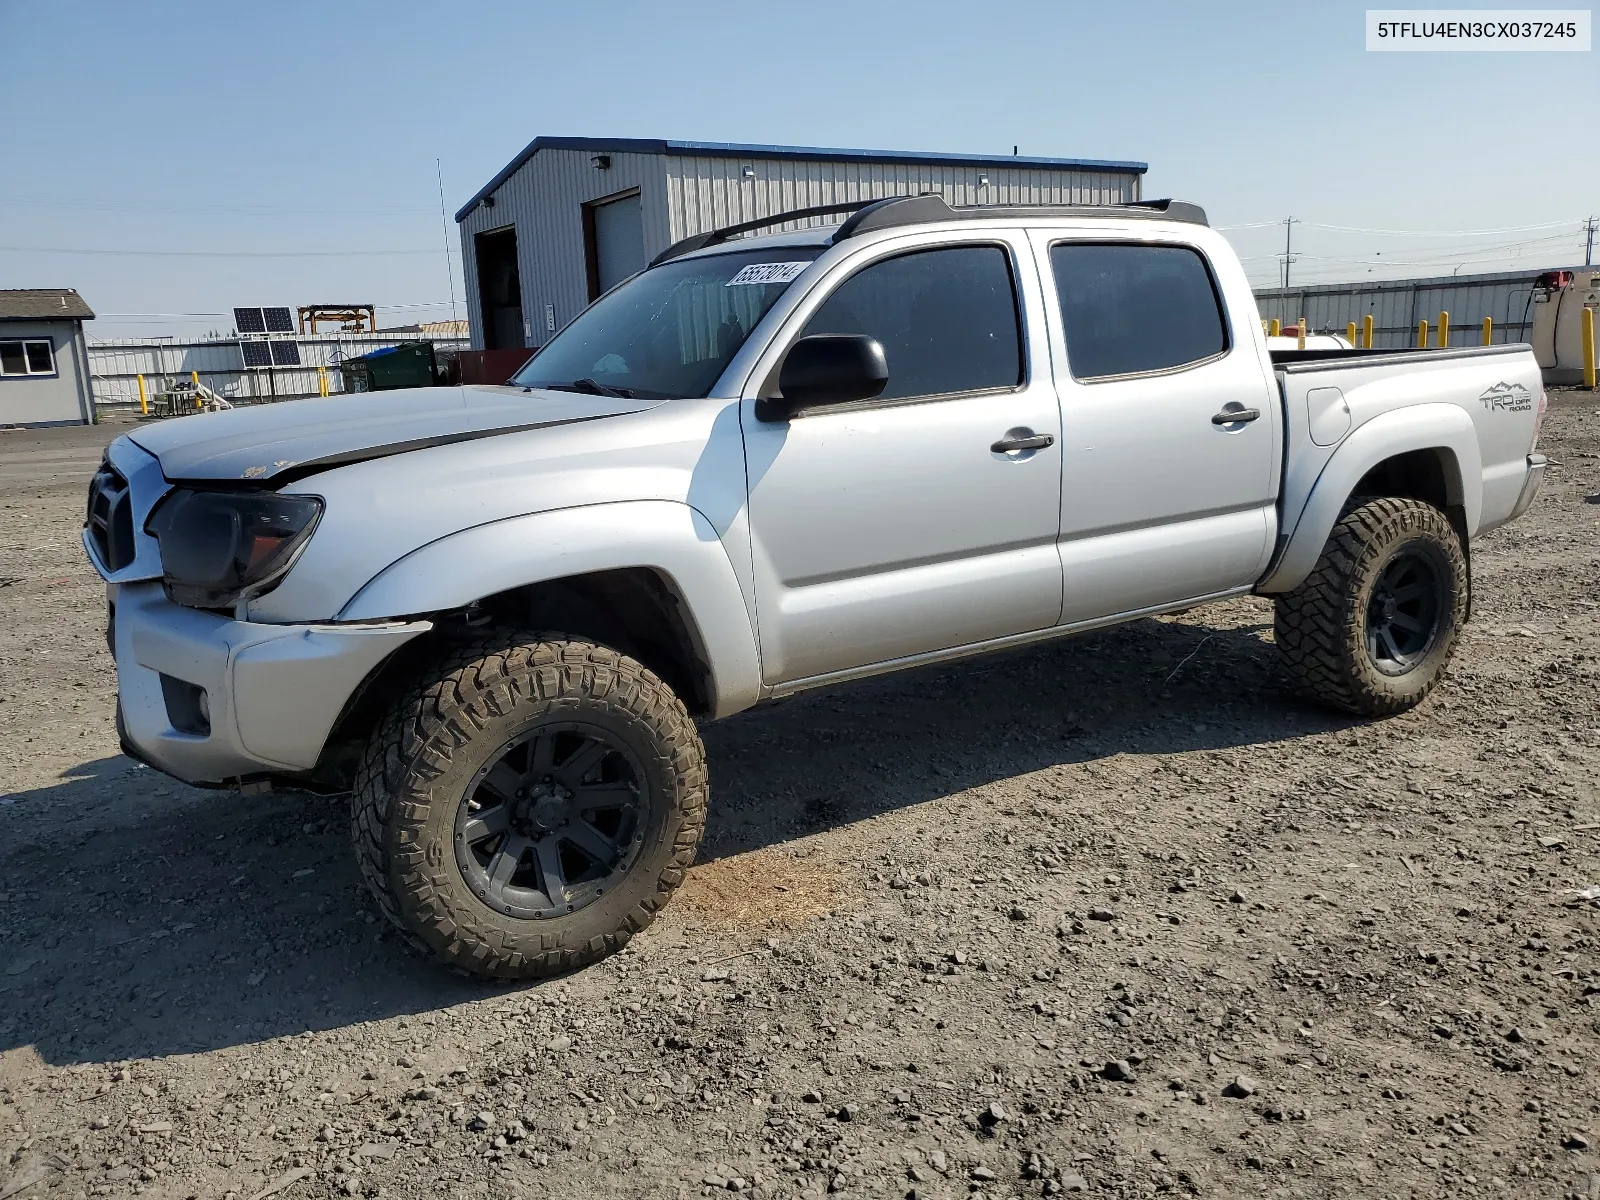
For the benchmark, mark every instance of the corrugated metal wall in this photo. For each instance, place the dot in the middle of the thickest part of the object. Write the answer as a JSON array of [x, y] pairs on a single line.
[[705, 193], [544, 203], [1397, 305], [683, 194], [114, 366]]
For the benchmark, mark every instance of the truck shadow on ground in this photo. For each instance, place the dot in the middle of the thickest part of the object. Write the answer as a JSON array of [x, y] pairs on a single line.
[[141, 918]]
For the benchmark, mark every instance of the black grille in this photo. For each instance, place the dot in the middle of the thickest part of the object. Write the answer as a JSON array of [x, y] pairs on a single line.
[[110, 518]]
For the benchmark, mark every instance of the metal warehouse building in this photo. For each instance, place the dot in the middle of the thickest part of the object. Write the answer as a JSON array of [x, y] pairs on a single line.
[[569, 217]]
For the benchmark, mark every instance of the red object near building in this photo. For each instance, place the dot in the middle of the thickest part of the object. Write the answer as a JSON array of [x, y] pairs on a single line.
[[492, 366]]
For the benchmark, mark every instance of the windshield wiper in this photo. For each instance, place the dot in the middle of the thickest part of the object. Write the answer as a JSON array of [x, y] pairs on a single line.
[[588, 387]]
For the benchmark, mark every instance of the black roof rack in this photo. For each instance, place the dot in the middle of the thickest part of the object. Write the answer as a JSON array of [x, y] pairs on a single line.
[[699, 241], [868, 215]]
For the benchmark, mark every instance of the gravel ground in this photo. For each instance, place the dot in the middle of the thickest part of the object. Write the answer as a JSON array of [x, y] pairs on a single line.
[[1119, 916]]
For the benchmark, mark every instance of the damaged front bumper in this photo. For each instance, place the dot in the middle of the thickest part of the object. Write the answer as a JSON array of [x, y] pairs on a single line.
[[209, 700]]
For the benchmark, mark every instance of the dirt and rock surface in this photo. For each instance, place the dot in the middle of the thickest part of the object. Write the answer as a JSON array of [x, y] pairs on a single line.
[[1119, 916]]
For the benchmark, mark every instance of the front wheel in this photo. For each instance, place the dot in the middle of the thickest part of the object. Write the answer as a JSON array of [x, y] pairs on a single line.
[[530, 806], [1373, 626]]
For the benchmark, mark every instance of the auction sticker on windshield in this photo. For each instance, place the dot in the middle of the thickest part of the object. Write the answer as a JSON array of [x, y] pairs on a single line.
[[782, 272]]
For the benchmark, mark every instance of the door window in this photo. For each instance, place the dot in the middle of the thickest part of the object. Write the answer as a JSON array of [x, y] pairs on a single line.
[[1130, 308], [947, 319]]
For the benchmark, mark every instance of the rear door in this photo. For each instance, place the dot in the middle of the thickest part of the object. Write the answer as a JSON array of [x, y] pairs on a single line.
[[1170, 427], [901, 525]]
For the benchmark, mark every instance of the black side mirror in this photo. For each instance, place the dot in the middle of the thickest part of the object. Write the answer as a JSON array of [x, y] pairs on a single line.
[[828, 368]]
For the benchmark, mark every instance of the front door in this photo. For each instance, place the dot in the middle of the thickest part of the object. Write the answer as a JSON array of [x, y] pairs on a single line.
[[902, 525], [1171, 429]]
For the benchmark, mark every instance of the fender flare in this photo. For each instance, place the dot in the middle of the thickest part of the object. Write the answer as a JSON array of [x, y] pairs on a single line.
[[666, 536], [1441, 427]]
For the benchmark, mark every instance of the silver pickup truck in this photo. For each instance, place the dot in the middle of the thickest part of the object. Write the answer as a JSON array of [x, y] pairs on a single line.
[[765, 464]]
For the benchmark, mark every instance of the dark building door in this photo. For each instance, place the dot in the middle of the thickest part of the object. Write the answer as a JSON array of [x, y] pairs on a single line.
[[500, 290]]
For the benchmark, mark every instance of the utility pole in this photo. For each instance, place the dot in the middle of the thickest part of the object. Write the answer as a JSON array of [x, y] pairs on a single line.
[[444, 221], [1288, 233], [1588, 244]]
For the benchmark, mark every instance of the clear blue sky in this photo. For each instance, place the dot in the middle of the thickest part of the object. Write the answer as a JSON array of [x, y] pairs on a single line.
[[203, 129]]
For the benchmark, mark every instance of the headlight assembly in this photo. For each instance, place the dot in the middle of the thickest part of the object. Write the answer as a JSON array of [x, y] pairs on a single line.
[[218, 548]]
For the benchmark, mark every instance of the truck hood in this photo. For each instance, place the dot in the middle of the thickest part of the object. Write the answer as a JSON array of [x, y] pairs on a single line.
[[273, 444]]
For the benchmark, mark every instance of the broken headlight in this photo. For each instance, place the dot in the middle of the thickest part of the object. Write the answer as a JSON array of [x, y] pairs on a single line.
[[218, 548]]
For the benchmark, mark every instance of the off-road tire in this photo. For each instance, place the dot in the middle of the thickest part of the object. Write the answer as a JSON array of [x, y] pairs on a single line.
[[419, 761], [1321, 626]]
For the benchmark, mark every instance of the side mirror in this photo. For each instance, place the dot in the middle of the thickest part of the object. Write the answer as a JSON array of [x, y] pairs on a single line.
[[828, 368]]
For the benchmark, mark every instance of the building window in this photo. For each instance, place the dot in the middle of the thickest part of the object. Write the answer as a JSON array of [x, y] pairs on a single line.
[[26, 358]]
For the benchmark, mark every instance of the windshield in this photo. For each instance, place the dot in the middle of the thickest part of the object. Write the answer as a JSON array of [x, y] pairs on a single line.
[[668, 332]]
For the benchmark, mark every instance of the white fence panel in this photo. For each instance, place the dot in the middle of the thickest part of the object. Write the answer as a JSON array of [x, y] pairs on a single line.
[[115, 366]]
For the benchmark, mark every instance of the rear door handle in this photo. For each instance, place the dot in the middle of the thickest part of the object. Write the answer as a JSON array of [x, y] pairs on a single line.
[[1235, 416], [1033, 441]]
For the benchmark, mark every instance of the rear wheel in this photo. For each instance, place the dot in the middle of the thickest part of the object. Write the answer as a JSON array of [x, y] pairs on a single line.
[[1373, 626], [530, 806]]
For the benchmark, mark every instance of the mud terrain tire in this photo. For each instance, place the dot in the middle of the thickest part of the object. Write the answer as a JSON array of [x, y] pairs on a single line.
[[1372, 628], [413, 810]]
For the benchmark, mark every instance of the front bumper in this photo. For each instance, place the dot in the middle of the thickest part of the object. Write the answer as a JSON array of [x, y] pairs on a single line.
[[272, 692], [1530, 486]]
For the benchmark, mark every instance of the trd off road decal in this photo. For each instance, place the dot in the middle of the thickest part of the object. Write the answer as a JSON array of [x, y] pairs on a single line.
[[1507, 397]]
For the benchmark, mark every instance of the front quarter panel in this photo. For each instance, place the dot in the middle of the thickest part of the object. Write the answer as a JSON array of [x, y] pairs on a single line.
[[378, 512], [673, 539]]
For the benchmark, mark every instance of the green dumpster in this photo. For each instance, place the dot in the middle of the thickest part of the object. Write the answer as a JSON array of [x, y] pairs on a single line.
[[408, 365]]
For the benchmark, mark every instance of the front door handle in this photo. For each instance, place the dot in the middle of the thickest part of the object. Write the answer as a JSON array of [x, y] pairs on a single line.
[[1033, 441], [1236, 416]]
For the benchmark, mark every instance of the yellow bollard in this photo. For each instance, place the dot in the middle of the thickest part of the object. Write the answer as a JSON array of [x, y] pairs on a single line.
[[1422, 334], [1274, 327], [1488, 331], [1300, 328], [322, 381], [144, 400], [1350, 332], [1366, 332], [1444, 329], [195, 375], [1588, 347]]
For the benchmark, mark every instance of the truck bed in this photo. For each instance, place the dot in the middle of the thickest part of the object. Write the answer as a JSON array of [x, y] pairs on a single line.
[[1489, 396]]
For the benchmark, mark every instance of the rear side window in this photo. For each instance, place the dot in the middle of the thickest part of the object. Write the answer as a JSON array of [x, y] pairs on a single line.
[[947, 319], [1129, 308]]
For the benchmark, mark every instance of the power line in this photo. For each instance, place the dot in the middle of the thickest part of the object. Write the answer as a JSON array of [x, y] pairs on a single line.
[[1442, 232], [1407, 232], [215, 253], [259, 210]]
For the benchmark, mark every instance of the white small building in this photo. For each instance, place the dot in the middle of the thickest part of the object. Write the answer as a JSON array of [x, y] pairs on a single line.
[[569, 217], [44, 366]]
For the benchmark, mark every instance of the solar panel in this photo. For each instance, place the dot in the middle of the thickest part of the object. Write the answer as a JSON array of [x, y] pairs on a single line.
[[249, 320], [285, 354], [278, 320], [256, 354]]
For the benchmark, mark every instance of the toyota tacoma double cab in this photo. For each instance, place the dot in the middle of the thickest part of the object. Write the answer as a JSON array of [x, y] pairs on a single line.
[[766, 463]]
